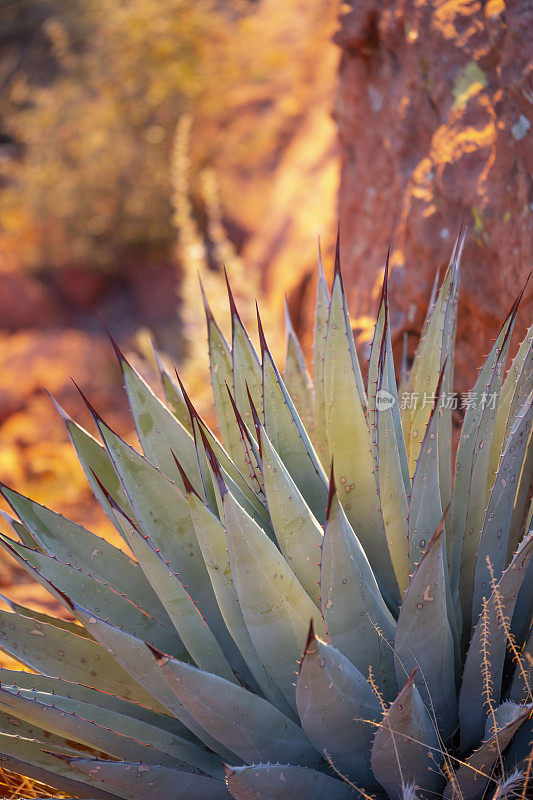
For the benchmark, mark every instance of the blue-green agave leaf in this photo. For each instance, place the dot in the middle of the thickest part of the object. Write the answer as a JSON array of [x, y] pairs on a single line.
[[424, 640], [517, 754], [521, 689], [75, 545], [61, 653], [247, 375], [359, 623], [319, 349], [277, 782], [250, 451], [406, 747], [195, 633], [297, 530], [336, 706], [221, 370], [208, 446], [159, 432], [425, 511], [289, 437], [388, 443], [297, 380], [382, 377], [60, 579], [523, 610], [522, 498], [136, 657], [471, 779], [40, 616], [95, 460], [133, 781], [212, 539], [30, 757], [103, 730], [436, 339], [276, 608], [95, 697], [246, 723], [173, 394], [471, 475], [495, 532], [162, 512], [489, 642], [21, 531], [516, 388], [349, 442]]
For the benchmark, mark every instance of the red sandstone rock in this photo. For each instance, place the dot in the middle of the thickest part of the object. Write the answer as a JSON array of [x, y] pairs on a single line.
[[435, 112]]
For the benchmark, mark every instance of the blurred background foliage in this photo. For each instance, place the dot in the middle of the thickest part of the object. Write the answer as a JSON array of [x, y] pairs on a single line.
[[142, 142], [91, 93]]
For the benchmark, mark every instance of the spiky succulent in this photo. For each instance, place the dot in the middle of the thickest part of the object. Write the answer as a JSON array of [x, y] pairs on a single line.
[[280, 633]]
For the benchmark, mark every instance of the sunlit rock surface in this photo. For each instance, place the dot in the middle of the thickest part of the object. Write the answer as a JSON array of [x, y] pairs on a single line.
[[435, 111]]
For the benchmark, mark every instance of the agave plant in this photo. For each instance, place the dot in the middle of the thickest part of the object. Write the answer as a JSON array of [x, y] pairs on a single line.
[[313, 607]]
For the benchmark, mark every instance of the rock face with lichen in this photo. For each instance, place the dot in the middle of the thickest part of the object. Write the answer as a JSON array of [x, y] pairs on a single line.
[[435, 111]]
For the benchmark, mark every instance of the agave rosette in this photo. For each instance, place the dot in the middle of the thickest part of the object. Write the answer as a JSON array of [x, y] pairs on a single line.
[[310, 606]]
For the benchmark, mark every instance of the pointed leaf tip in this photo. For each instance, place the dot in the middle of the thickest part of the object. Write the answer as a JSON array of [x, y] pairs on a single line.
[[410, 679], [310, 638], [160, 657], [60, 756], [232, 305], [262, 339], [189, 488], [94, 413], [192, 411], [338, 253], [516, 303], [118, 352], [60, 410], [66, 599], [513, 311], [207, 308], [384, 296]]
